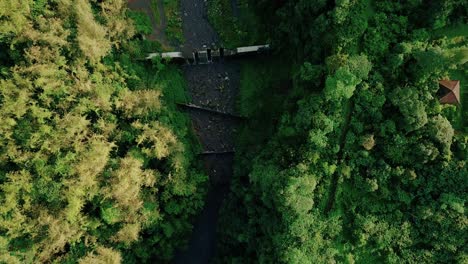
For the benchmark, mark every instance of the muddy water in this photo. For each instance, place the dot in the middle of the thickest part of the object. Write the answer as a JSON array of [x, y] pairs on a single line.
[[214, 86]]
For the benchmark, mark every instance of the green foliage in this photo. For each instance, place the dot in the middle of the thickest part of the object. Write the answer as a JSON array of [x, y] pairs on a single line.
[[309, 72], [14, 18], [235, 29], [365, 165], [111, 214], [95, 159], [174, 21], [142, 22], [411, 107], [341, 85], [156, 11]]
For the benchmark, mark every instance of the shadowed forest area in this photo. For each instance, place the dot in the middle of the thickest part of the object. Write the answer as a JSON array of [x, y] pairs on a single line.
[[355, 161], [344, 154]]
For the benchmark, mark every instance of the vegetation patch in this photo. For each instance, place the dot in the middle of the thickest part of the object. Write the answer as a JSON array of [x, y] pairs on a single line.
[[458, 115], [156, 11], [142, 22], [346, 154], [243, 30], [363, 162], [174, 21], [263, 86], [97, 165]]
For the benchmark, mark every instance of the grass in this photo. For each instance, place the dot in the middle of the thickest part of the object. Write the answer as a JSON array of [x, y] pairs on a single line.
[[460, 122], [233, 31], [174, 31], [170, 80], [261, 99], [142, 22], [260, 89], [369, 11], [173, 84], [173, 27], [155, 9], [457, 30]]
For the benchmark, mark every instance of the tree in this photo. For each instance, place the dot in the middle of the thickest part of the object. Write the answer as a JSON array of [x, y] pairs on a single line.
[[92, 37], [72, 174], [412, 109], [341, 85], [442, 132], [104, 255], [13, 14]]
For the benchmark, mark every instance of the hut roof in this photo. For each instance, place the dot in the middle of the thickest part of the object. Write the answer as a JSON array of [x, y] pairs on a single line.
[[450, 93]]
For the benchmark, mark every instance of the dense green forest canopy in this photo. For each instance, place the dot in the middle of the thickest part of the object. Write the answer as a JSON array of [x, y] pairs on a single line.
[[364, 164], [346, 155], [96, 164]]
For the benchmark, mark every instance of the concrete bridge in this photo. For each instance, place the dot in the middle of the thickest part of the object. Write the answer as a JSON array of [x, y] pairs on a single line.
[[208, 55]]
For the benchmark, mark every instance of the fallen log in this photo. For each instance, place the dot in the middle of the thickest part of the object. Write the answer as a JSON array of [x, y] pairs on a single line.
[[200, 108]]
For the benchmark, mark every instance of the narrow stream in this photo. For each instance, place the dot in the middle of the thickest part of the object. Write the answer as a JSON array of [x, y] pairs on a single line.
[[213, 86]]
